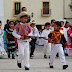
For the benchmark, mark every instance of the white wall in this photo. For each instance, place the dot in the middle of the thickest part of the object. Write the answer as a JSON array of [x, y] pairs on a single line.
[[35, 6], [68, 12], [2, 12]]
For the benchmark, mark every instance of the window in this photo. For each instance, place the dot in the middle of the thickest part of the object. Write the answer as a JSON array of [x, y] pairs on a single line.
[[46, 8], [17, 8]]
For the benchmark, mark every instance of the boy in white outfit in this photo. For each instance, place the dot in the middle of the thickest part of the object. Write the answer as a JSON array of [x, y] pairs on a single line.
[[57, 38], [34, 33], [47, 46], [21, 32]]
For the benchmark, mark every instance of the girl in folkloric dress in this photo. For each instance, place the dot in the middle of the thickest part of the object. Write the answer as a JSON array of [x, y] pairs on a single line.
[[69, 32], [11, 40], [2, 42]]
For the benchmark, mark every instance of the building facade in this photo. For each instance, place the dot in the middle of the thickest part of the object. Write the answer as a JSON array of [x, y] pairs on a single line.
[[57, 9]]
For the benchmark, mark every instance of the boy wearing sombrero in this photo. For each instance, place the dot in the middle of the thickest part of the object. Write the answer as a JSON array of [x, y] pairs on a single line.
[[34, 33], [21, 31]]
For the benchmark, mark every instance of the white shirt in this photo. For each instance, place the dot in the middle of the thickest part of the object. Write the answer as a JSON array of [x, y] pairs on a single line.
[[45, 33], [65, 32], [34, 32], [52, 28]]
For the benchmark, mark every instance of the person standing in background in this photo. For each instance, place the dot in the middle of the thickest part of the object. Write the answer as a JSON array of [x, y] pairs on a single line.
[[34, 33], [52, 24], [25, 9], [6, 25], [47, 46]]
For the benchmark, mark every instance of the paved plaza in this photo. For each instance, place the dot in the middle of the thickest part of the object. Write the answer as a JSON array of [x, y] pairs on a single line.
[[38, 64]]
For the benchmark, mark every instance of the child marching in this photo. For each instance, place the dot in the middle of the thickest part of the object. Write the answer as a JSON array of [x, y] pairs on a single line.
[[21, 32], [47, 46], [34, 33], [57, 38]]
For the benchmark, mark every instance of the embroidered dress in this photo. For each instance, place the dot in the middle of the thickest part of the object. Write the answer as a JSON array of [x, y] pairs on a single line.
[[69, 32], [12, 44], [2, 50]]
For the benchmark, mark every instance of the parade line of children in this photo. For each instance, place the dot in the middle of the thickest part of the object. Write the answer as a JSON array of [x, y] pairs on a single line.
[[19, 37]]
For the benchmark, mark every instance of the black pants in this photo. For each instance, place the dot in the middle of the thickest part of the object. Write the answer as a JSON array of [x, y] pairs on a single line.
[[32, 43], [63, 46]]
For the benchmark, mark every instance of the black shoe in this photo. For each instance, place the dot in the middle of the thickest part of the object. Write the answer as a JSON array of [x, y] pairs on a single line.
[[51, 67], [45, 56], [13, 56], [66, 54], [31, 57], [57, 55], [19, 65], [26, 68], [8, 55], [65, 66]]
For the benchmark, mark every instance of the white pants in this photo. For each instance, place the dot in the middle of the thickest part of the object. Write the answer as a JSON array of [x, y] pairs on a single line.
[[23, 51], [47, 47], [40, 41], [57, 48]]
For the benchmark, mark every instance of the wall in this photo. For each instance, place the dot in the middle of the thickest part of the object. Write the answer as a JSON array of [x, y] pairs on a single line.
[[35, 6], [68, 12], [2, 12]]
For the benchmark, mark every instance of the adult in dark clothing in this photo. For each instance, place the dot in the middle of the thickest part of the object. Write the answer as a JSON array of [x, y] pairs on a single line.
[[25, 9], [6, 25]]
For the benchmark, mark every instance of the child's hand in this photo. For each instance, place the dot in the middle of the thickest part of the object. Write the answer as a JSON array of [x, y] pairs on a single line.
[[27, 37], [52, 41], [22, 37], [39, 38]]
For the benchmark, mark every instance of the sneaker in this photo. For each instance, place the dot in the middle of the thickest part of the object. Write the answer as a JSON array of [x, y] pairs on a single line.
[[19, 65], [31, 57], [66, 54], [57, 55], [26, 68], [51, 67], [65, 66]]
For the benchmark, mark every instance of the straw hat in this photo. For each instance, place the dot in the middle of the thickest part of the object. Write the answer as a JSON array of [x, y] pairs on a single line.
[[22, 14], [32, 22], [63, 20]]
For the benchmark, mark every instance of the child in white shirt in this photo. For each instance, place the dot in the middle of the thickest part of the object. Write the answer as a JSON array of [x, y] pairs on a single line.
[[47, 46], [34, 34]]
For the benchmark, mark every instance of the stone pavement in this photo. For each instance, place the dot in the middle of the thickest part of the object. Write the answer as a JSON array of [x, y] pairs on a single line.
[[38, 64]]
